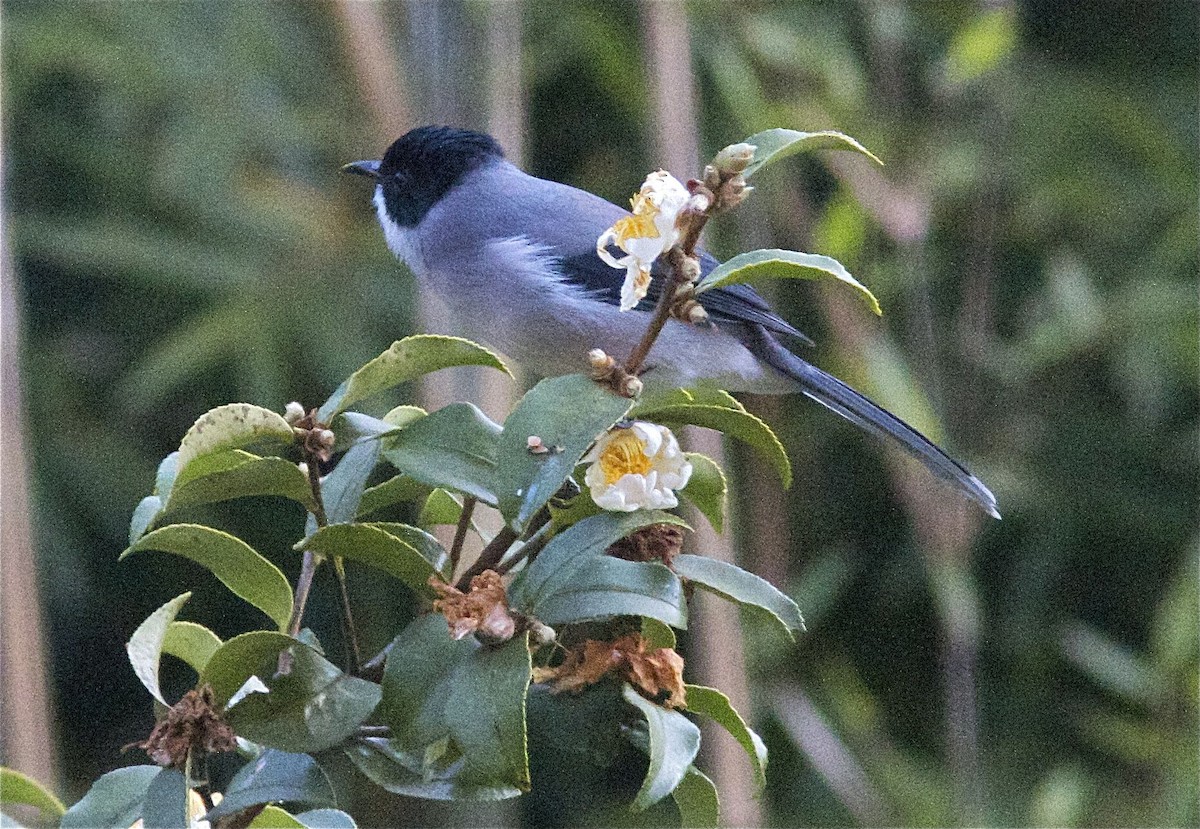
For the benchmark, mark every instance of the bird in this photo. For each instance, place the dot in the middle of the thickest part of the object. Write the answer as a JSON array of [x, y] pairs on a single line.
[[513, 259]]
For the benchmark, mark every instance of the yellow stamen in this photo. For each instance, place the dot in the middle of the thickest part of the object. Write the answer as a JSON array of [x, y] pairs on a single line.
[[637, 226], [624, 455]]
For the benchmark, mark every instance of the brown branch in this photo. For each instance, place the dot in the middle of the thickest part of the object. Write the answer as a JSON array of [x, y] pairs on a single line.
[[490, 556], [460, 532]]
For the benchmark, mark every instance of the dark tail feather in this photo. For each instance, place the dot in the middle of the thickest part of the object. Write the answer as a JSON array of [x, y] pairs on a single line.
[[836, 395]]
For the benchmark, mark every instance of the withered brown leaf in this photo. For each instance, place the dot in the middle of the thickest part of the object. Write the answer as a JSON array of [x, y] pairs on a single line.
[[483, 609], [192, 725], [656, 673]]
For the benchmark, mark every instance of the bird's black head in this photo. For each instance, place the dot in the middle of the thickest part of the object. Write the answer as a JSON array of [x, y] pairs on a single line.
[[421, 165]]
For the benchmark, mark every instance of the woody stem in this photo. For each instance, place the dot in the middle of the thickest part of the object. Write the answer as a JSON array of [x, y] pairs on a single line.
[[460, 532], [673, 279]]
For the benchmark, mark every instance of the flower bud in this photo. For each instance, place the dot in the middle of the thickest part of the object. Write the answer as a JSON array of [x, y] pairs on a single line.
[[631, 387], [293, 412], [303, 467], [541, 634], [326, 438], [598, 360], [735, 158]]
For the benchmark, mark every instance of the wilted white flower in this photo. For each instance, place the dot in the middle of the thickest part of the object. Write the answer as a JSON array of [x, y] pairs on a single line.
[[638, 466], [645, 235]]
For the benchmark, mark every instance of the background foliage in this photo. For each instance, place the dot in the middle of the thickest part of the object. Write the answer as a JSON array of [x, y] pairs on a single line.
[[183, 239]]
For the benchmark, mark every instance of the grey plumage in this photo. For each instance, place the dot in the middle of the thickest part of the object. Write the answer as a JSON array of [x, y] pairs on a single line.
[[512, 257]]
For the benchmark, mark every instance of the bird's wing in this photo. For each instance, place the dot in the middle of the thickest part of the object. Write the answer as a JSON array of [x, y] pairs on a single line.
[[733, 304]]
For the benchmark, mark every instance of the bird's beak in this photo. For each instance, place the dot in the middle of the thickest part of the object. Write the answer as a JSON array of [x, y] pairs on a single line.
[[370, 169]]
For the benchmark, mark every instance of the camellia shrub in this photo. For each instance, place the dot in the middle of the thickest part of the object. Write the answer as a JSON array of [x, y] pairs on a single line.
[[565, 621]]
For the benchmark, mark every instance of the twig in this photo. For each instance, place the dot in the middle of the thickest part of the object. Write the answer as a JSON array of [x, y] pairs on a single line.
[[374, 731], [529, 551], [490, 557], [349, 631], [460, 532], [303, 586], [308, 567], [372, 669]]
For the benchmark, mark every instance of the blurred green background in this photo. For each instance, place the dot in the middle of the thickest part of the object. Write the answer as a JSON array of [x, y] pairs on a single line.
[[178, 236]]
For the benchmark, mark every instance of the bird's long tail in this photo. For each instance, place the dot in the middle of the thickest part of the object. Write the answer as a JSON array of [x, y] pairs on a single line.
[[836, 395]]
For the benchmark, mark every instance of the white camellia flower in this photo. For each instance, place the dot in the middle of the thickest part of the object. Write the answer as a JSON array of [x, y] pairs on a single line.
[[638, 466], [645, 235]]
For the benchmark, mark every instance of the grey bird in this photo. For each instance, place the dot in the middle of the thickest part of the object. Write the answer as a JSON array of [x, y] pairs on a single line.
[[513, 259]]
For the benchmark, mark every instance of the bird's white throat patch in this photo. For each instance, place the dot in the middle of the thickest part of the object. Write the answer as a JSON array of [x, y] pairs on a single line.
[[402, 241]]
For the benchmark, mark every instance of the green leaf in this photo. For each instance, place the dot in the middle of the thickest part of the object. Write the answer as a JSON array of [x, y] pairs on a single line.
[[706, 489], [575, 510], [653, 401], [568, 413], [17, 788], [457, 713], [583, 728], [674, 742], [416, 679], [398, 772], [713, 704], [396, 490], [275, 777], [743, 587], [146, 645], [709, 396], [343, 488], [406, 360], [486, 714], [440, 508], [327, 819], [697, 800], [399, 550], [571, 549], [605, 586], [233, 561], [309, 709], [194, 644], [773, 145], [737, 424], [657, 634], [783, 264], [113, 800], [272, 817], [454, 448], [166, 804], [355, 427], [148, 509], [231, 427], [244, 656], [234, 473]]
